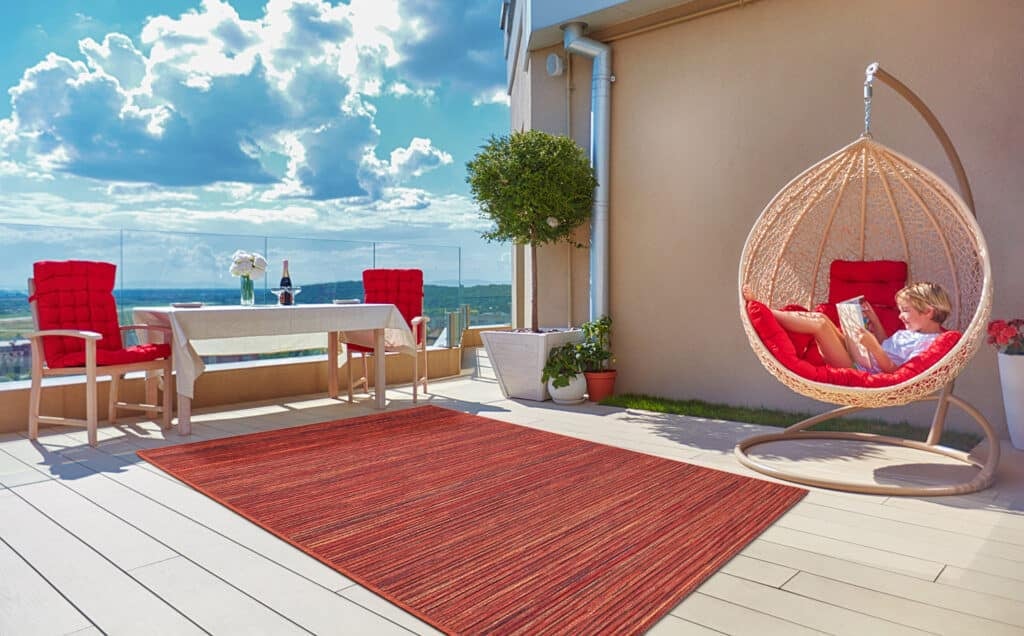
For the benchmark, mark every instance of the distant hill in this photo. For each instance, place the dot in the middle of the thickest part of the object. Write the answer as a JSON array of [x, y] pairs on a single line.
[[490, 303]]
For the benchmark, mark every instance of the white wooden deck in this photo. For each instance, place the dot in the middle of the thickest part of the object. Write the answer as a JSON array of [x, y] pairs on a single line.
[[96, 541]]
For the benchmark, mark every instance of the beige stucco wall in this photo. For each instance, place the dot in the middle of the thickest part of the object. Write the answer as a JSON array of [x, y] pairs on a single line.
[[712, 116]]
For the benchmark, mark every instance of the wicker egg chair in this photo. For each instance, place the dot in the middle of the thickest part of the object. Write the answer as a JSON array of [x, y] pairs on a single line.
[[867, 202]]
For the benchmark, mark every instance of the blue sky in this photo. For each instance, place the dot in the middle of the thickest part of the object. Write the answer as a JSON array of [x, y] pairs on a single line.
[[307, 118]]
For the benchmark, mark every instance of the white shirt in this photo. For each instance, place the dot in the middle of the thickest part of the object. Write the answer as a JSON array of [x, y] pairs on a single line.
[[905, 344]]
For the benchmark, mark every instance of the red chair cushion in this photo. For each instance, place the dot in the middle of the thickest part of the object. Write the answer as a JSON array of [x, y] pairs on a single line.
[[779, 342], [79, 295], [877, 281], [402, 288], [106, 357]]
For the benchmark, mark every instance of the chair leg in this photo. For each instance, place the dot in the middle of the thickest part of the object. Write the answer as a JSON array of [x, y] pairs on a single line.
[[34, 399], [415, 374], [426, 373], [115, 382], [168, 397], [348, 365], [365, 380], [90, 395]]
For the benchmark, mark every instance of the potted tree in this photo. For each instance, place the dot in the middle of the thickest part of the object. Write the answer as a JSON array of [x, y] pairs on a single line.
[[595, 357], [563, 373], [536, 188]]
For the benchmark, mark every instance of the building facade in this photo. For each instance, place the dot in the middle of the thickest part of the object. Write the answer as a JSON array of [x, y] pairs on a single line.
[[715, 106]]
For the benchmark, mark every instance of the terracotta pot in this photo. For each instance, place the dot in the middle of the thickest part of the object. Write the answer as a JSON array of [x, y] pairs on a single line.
[[600, 384]]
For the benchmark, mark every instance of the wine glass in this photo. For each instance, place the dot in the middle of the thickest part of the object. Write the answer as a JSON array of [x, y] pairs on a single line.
[[277, 291]]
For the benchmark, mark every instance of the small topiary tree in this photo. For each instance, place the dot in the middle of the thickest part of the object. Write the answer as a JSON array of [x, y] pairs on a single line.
[[536, 187]]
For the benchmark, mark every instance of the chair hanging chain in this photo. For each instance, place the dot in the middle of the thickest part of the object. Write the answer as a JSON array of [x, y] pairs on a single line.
[[869, 78]]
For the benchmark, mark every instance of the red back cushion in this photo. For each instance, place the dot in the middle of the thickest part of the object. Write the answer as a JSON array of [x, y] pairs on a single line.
[[877, 281], [402, 288], [76, 295]]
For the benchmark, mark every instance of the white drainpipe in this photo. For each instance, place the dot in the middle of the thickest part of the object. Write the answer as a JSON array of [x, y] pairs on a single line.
[[600, 137]]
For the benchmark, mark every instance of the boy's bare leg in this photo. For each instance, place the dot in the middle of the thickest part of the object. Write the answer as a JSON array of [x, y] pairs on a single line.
[[827, 336]]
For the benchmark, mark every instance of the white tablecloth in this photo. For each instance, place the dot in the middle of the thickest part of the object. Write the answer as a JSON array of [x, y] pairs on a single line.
[[232, 330]]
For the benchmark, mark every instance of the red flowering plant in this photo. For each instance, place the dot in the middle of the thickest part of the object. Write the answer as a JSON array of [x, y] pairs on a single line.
[[1007, 336]]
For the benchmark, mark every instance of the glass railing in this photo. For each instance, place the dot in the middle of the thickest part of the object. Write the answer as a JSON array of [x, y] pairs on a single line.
[[157, 268]]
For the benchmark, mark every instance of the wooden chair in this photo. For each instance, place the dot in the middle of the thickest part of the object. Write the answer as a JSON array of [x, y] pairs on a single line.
[[404, 289], [77, 333]]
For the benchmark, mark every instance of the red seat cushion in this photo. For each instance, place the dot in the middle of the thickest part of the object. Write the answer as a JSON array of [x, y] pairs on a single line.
[[79, 295], [402, 288], [106, 357], [779, 342]]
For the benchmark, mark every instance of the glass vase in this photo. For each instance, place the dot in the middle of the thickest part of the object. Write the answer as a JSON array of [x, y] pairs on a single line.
[[248, 296]]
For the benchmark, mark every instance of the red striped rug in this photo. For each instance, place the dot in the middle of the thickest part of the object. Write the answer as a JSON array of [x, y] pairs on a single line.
[[478, 526]]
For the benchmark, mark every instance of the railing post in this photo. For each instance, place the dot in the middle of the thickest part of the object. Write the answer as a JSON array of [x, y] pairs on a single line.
[[453, 326]]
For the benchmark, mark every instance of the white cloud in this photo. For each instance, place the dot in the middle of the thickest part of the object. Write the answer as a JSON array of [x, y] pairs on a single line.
[[401, 89], [216, 98], [129, 193], [13, 169], [418, 157], [117, 57], [492, 96], [234, 191]]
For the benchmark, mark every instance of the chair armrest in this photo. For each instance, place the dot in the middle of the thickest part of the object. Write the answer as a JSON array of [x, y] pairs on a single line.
[[73, 333], [416, 323]]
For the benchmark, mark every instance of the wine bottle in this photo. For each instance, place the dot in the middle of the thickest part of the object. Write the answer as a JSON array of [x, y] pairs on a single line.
[[286, 297]]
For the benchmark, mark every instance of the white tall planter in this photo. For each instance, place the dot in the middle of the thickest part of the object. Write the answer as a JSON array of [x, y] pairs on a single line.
[[518, 359], [1011, 376]]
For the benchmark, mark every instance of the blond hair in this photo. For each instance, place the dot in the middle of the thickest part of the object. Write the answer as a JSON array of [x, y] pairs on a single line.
[[923, 296]]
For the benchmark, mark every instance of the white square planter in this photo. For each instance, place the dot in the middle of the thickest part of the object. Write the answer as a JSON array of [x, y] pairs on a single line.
[[518, 359]]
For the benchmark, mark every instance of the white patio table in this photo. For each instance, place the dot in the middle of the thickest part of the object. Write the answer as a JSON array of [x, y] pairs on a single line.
[[232, 330]]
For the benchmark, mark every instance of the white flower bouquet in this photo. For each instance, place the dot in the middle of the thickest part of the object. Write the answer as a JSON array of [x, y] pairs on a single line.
[[248, 264]]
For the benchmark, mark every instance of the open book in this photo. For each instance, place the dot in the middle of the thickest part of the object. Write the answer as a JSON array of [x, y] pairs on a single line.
[[851, 320]]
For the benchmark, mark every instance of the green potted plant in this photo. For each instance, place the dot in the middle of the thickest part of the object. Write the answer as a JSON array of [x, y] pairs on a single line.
[[536, 188], [595, 355], [563, 373]]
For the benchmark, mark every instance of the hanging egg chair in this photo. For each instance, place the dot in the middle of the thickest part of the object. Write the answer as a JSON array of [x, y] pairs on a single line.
[[869, 204]]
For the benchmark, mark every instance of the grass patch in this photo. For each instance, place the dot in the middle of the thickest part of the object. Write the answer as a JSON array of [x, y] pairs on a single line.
[[782, 419]]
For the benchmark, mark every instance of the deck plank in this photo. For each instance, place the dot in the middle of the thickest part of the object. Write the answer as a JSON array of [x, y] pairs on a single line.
[[898, 610], [158, 486], [292, 595], [939, 539], [787, 605], [110, 598], [758, 570], [975, 581], [966, 601], [855, 552], [29, 605], [912, 542], [216, 606], [675, 626], [992, 527], [122, 544], [730, 618]]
